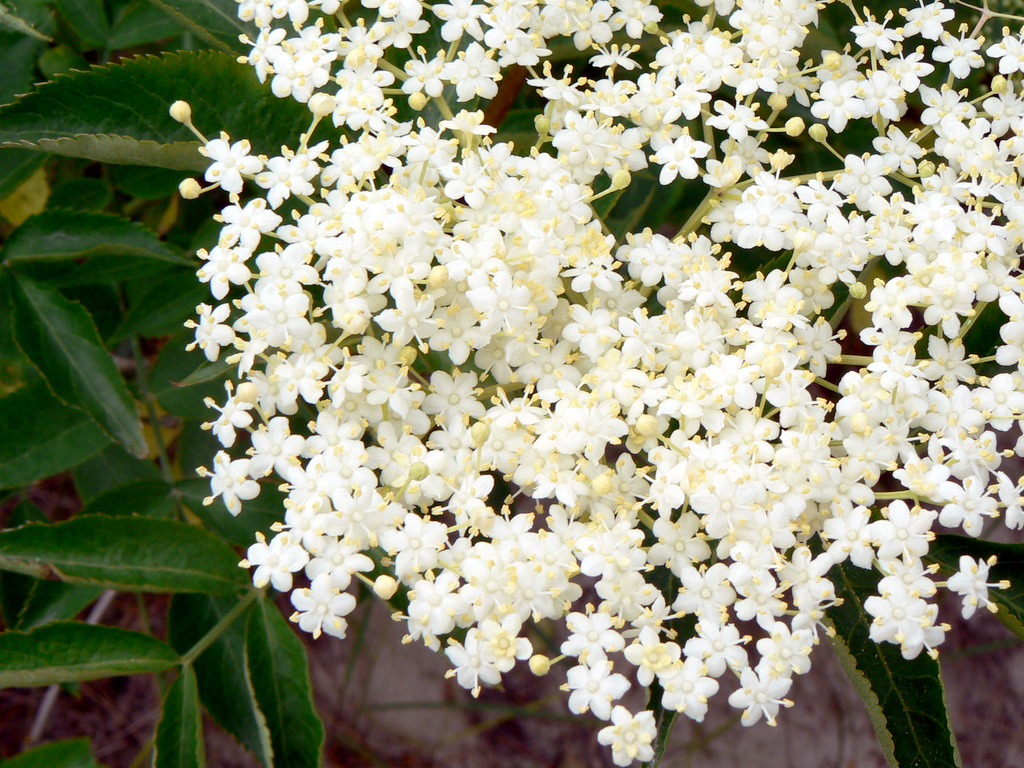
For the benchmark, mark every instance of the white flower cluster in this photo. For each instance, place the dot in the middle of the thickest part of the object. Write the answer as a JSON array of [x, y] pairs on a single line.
[[437, 328]]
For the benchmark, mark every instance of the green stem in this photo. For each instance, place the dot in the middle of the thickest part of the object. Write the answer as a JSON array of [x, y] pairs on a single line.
[[218, 629]]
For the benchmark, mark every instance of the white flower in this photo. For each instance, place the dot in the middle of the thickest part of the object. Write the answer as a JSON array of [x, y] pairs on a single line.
[[594, 688], [230, 480], [230, 162], [322, 608], [629, 736], [970, 583], [760, 694]]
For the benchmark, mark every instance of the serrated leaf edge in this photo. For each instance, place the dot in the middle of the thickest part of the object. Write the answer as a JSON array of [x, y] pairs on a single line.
[[57, 146]]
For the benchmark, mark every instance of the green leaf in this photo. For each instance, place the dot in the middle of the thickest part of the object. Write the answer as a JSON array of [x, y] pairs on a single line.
[[224, 686], [65, 235], [108, 469], [214, 21], [145, 183], [163, 309], [119, 113], [60, 339], [128, 553], [60, 60], [947, 549], [206, 371], [905, 699], [16, 165], [42, 436], [54, 601], [18, 55], [16, 588], [278, 669], [67, 753], [175, 365], [11, 20], [141, 23], [179, 734], [146, 498], [67, 651], [80, 194], [88, 19], [257, 514]]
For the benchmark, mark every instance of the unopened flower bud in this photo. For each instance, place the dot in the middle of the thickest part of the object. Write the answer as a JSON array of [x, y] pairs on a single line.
[[540, 664], [189, 189], [621, 179], [860, 424], [543, 125], [418, 470], [780, 160], [385, 587], [181, 112], [247, 392], [925, 169], [778, 101], [407, 355], [356, 57], [795, 126], [833, 61], [772, 366], [418, 100], [818, 133], [480, 431], [999, 84], [646, 425], [858, 290], [602, 484], [322, 104], [438, 277]]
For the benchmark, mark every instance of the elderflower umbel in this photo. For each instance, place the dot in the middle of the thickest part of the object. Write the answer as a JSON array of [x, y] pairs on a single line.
[[473, 385]]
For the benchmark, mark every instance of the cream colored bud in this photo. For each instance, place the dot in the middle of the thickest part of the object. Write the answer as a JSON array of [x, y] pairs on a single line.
[[925, 169], [407, 355], [772, 366], [189, 189], [621, 179], [818, 133], [795, 126], [418, 100], [833, 61], [385, 587], [356, 57], [418, 471], [778, 101], [860, 424], [999, 84], [181, 112], [602, 484], [247, 392], [540, 664], [646, 425], [543, 125], [438, 277], [858, 290], [322, 104], [780, 160], [480, 431]]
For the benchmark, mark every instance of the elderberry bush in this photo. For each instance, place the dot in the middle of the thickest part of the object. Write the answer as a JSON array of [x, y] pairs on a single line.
[[485, 388]]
